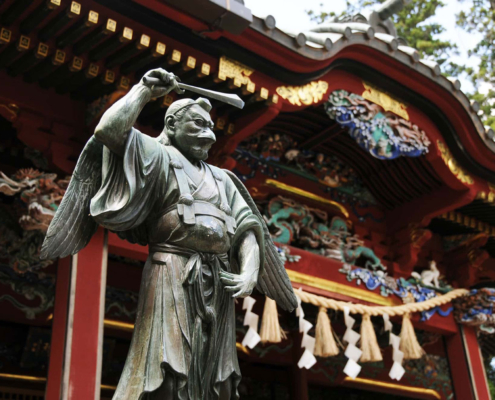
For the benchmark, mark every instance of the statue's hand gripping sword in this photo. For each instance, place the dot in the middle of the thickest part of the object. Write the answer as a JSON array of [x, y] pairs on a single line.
[[227, 98]]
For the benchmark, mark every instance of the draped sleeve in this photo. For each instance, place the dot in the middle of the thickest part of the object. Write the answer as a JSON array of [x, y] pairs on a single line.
[[244, 217], [130, 186]]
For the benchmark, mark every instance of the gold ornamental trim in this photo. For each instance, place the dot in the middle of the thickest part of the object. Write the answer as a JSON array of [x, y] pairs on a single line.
[[487, 197], [119, 325], [308, 94], [453, 165], [12, 109], [370, 383], [385, 101], [242, 348], [29, 378], [108, 387], [235, 70], [25, 378], [469, 222], [335, 287], [308, 195]]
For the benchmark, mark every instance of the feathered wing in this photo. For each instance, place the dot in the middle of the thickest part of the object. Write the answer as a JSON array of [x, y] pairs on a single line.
[[274, 281], [72, 227]]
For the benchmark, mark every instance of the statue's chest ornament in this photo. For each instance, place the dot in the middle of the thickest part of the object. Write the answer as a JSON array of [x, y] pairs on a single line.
[[188, 207]]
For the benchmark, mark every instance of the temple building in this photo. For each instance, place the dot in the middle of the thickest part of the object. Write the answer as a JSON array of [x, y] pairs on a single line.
[[373, 171]]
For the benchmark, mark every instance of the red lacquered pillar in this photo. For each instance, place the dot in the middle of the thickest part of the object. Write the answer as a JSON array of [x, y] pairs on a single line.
[[466, 365], [59, 328], [475, 361], [77, 332]]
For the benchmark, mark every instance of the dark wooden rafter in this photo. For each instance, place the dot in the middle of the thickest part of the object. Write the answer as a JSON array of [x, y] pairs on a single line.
[[392, 186], [375, 176], [392, 182], [408, 180], [316, 114], [324, 136], [303, 131], [299, 121], [91, 50]]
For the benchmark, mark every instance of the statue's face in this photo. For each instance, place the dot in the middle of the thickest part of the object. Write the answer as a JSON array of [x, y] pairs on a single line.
[[193, 134]]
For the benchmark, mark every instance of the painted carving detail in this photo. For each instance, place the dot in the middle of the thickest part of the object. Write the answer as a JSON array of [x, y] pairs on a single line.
[[293, 223], [40, 192], [409, 291], [274, 152], [120, 303], [308, 94], [476, 310], [382, 134], [24, 223], [285, 256], [31, 286], [428, 277]]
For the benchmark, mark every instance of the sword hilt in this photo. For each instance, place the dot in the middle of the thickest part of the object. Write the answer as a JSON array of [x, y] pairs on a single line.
[[149, 80]]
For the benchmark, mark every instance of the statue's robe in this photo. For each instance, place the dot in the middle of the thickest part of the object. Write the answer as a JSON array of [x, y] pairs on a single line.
[[185, 323]]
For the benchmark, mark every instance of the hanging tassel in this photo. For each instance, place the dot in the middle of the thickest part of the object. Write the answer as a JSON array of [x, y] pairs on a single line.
[[270, 327], [409, 344], [369, 345], [325, 345]]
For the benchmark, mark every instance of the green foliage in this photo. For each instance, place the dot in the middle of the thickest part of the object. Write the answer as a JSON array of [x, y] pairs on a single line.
[[480, 19], [414, 25], [490, 375]]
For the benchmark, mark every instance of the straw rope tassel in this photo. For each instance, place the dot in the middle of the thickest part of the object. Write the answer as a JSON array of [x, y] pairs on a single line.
[[325, 345], [409, 344], [369, 345], [270, 327]]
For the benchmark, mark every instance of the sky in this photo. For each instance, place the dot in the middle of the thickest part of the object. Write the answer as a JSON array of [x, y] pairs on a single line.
[[291, 14]]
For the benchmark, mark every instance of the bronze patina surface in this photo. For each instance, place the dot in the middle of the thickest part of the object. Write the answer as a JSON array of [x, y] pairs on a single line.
[[208, 244]]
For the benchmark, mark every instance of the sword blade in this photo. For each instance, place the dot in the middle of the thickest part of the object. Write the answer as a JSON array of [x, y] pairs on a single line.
[[227, 98]]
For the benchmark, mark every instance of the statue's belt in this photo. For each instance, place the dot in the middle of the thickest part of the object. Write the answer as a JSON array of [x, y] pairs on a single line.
[[160, 254]]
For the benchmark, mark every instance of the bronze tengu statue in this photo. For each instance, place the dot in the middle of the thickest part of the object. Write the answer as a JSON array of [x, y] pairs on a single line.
[[208, 244]]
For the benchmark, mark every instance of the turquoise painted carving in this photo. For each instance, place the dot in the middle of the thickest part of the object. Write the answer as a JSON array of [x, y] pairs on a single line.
[[299, 225]]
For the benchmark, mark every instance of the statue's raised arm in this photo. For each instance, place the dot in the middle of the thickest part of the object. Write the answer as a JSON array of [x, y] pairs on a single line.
[[117, 122], [72, 227], [208, 244]]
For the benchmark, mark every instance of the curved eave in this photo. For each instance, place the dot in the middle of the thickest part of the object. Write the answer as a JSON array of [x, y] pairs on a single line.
[[275, 54], [409, 57], [429, 70]]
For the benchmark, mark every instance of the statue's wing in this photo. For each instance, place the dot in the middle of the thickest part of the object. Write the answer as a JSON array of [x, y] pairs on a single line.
[[274, 281], [72, 227]]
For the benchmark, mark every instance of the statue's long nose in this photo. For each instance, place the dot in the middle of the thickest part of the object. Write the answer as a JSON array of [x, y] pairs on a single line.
[[208, 135]]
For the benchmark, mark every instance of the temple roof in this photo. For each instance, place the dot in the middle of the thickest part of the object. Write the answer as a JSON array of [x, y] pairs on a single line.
[[377, 31]]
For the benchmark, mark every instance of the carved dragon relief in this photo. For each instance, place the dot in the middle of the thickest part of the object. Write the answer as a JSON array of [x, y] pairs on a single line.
[[299, 225], [21, 234]]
